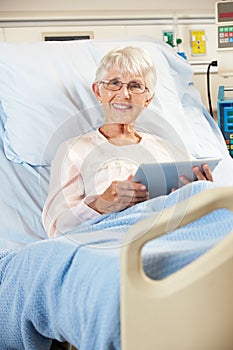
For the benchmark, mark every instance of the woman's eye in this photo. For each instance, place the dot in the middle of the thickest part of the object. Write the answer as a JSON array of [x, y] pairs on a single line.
[[135, 86], [115, 82]]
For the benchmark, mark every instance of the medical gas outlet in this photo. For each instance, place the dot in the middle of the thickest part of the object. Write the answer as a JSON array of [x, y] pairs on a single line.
[[171, 39], [198, 42]]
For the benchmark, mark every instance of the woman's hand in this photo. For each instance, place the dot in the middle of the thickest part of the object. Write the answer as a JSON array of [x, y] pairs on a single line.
[[120, 195], [203, 174]]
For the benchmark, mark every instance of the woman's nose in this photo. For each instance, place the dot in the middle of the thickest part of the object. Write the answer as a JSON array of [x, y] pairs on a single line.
[[124, 91]]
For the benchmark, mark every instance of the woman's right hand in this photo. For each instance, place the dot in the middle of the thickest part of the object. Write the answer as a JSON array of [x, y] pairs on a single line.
[[120, 195]]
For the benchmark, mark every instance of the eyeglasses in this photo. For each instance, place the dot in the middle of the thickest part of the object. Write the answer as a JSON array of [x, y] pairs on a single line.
[[133, 86]]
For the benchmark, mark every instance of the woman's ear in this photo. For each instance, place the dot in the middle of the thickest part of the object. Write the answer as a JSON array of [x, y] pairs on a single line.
[[96, 90], [148, 101]]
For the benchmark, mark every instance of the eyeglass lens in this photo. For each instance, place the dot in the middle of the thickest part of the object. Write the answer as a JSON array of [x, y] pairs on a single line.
[[132, 86]]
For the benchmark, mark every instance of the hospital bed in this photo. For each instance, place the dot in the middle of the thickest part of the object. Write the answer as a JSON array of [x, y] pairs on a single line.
[[155, 276]]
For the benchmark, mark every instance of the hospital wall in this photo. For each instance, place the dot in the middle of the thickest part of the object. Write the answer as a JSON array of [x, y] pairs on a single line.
[[27, 20]]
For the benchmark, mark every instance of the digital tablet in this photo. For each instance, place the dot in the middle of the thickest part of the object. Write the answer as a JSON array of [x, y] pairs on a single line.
[[160, 178]]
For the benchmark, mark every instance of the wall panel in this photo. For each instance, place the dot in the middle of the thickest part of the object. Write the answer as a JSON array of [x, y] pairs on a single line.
[[31, 34], [93, 5], [30, 26]]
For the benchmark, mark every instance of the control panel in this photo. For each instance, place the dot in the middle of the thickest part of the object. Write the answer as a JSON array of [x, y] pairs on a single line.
[[224, 18], [225, 116]]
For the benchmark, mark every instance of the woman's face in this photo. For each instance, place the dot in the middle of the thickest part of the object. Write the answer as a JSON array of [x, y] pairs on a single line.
[[121, 106]]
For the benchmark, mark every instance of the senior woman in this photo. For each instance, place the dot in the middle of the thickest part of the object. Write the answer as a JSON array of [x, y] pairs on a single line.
[[92, 174]]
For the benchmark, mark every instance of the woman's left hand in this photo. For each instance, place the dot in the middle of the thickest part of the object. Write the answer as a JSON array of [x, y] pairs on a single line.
[[204, 173]]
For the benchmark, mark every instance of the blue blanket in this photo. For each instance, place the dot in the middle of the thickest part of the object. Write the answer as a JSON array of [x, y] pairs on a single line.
[[67, 288]]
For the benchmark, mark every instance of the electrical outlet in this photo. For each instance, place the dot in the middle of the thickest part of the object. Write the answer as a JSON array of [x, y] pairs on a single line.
[[198, 42]]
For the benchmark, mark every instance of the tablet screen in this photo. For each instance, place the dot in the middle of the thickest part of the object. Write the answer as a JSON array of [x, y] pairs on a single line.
[[160, 178]]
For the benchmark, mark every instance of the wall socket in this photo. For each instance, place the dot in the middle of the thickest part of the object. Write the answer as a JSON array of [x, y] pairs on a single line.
[[198, 42]]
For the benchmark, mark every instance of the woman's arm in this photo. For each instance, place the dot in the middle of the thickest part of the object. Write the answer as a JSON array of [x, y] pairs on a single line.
[[65, 207]]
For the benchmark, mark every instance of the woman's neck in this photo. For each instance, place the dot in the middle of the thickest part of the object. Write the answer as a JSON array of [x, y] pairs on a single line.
[[120, 134]]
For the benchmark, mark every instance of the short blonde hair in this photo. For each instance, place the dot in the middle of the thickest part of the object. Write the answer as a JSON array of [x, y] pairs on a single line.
[[129, 59]]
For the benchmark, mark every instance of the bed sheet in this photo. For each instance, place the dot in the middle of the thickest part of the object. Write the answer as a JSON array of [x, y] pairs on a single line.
[[67, 288]]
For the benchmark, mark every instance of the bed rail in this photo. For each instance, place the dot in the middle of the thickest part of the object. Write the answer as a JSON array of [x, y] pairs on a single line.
[[192, 308]]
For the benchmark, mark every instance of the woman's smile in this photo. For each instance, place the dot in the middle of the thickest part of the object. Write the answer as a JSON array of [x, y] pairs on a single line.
[[122, 106]]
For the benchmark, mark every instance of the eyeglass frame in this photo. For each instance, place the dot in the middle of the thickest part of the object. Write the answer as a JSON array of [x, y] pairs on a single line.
[[127, 86]]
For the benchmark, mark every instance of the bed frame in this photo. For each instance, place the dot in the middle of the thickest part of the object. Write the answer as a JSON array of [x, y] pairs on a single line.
[[191, 309]]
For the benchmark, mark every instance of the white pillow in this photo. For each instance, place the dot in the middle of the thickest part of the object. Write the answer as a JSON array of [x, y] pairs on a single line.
[[45, 85]]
